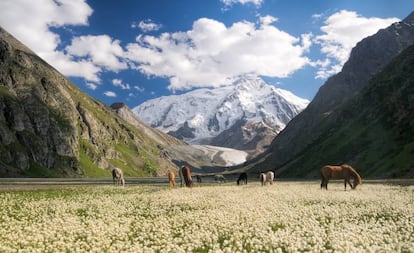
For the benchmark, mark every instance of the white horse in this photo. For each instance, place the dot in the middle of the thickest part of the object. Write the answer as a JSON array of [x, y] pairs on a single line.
[[267, 177], [118, 176], [219, 178]]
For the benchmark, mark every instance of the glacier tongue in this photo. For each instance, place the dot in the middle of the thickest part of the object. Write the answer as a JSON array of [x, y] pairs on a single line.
[[202, 114]]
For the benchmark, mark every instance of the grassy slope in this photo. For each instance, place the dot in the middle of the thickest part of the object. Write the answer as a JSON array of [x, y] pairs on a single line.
[[373, 132], [138, 152]]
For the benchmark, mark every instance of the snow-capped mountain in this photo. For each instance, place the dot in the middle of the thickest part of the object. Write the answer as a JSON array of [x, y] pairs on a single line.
[[239, 116]]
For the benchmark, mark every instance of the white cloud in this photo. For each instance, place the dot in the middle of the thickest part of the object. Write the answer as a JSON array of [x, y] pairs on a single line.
[[147, 25], [122, 85], [212, 54], [267, 20], [341, 32], [30, 22], [139, 88], [91, 86], [101, 50], [231, 2], [109, 94]]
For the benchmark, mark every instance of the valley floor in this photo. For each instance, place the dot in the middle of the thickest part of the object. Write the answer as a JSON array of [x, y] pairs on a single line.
[[287, 216]]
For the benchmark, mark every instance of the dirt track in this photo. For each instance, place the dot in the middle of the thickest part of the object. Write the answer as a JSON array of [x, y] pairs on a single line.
[[16, 184], [54, 183]]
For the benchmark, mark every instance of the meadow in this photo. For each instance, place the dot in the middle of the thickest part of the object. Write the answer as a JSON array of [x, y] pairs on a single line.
[[284, 217]]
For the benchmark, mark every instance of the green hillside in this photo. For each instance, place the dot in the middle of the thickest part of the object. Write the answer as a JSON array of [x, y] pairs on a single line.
[[374, 131]]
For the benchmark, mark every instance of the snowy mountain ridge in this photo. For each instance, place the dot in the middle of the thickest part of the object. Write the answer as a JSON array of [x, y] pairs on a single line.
[[199, 116]]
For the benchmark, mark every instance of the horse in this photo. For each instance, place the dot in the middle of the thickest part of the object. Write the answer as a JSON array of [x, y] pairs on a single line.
[[171, 178], [343, 171], [219, 178], [118, 176], [180, 173], [199, 180], [186, 174], [242, 178], [267, 177]]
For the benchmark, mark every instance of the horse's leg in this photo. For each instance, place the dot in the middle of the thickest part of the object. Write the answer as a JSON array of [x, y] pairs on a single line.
[[324, 183], [349, 182], [346, 181]]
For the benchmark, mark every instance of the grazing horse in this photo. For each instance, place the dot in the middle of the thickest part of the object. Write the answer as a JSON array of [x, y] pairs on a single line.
[[198, 179], [267, 177], [344, 171], [180, 173], [118, 176], [242, 178], [220, 178], [171, 178], [186, 174]]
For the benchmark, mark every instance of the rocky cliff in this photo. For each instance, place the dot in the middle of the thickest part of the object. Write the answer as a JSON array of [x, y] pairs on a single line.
[[50, 128]]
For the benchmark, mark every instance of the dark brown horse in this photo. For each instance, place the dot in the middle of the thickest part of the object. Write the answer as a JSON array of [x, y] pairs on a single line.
[[242, 178], [186, 174], [344, 171]]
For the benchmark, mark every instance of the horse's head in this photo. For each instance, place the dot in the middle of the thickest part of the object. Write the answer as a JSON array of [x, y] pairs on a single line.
[[357, 181]]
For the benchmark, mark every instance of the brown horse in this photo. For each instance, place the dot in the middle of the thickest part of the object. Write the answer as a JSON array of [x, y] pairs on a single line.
[[180, 173], [344, 171], [186, 174], [171, 178]]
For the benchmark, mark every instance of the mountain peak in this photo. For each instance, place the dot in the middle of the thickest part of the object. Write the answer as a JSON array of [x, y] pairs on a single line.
[[204, 116]]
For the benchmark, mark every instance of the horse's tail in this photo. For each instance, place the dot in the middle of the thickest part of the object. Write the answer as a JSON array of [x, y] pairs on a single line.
[[262, 178]]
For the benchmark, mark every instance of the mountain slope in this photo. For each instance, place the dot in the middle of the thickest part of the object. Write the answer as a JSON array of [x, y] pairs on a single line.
[[245, 116], [368, 58], [200, 158], [48, 127], [374, 131]]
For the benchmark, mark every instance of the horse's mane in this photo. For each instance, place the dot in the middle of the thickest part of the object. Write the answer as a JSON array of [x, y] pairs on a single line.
[[355, 174]]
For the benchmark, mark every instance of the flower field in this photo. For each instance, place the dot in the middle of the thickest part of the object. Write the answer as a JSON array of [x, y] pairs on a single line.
[[284, 217]]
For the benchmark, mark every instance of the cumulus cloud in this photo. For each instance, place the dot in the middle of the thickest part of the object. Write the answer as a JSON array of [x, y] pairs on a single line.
[[101, 50], [211, 54], [231, 2], [87, 56], [139, 88], [121, 84], [30, 22], [109, 94], [341, 32], [147, 25], [91, 86]]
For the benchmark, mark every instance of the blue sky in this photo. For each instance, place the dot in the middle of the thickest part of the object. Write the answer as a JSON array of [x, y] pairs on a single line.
[[133, 50]]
